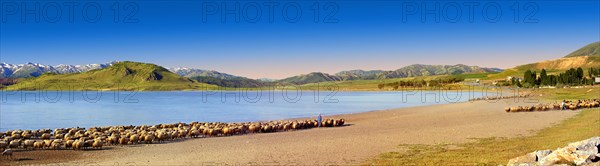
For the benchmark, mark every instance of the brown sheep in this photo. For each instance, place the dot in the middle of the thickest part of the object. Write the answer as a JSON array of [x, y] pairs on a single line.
[[123, 141], [69, 143], [78, 144], [98, 144], [47, 143], [14, 143], [149, 138], [3, 145], [45, 136], [56, 144], [28, 144], [38, 145], [134, 139]]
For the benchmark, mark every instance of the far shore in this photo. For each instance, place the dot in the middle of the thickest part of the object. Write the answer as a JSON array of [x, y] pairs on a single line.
[[366, 135]]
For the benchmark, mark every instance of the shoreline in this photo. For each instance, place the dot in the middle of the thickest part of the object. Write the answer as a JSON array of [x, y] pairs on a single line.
[[366, 135]]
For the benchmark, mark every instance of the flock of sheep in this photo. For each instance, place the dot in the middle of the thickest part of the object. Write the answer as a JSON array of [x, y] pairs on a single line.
[[97, 137], [572, 105], [499, 97]]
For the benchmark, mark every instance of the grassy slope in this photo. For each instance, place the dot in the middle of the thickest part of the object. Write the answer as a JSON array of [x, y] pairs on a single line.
[[120, 76], [499, 150], [589, 50], [551, 66]]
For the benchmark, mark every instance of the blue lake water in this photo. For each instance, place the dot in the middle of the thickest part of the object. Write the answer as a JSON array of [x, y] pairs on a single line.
[[57, 109]]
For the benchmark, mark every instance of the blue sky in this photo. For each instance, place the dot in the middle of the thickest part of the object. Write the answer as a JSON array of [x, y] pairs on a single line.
[[358, 34]]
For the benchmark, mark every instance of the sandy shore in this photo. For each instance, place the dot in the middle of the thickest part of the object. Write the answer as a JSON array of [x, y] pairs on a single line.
[[367, 135]]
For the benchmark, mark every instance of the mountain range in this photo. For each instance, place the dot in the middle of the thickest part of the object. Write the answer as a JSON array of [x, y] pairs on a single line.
[[228, 80], [154, 77], [35, 69]]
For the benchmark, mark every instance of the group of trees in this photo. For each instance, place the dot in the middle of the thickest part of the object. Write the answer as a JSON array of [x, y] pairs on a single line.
[[571, 77], [439, 82]]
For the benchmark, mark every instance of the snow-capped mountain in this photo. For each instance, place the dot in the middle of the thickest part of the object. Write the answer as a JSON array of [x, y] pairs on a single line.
[[192, 72], [35, 69]]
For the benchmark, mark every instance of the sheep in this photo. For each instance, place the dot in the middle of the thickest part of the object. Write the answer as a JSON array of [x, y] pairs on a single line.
[[98, 144], [8, 139], [28, 144], [227, 131], [26, 135], [7, 153], [149, 138], [254, 128], [56, 144], [69, 143], [14, 143], [123, 140], [3, 145], [38, 145], [78, 144], [194, 133], [45, 136], [113, 140], [134, 139]]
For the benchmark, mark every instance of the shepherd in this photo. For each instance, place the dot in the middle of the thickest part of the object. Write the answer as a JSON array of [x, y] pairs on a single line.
[[319, 119]]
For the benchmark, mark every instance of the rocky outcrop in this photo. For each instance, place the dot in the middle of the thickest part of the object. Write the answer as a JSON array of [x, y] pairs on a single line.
[[578, 153]]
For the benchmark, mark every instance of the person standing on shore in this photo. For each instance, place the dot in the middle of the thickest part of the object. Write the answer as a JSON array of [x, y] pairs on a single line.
[[563, 106], [319, 119]]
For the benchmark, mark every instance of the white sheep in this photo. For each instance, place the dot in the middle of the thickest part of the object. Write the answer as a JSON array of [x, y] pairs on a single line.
[[7, 153]]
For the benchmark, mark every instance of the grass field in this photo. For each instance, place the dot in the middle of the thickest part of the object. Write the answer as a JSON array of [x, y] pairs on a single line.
[[494, 151]]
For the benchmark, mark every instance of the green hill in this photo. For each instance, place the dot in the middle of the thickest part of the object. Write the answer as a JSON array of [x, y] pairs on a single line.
[[589, 50], [120, 76]]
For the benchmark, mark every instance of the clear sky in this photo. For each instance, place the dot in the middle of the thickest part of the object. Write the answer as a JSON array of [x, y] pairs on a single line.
[[270, 41]]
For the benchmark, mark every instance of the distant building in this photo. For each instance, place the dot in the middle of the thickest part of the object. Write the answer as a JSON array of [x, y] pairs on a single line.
[[510, 78]]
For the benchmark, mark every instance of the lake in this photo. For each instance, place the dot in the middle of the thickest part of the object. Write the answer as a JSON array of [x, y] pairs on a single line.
[[59, 109]]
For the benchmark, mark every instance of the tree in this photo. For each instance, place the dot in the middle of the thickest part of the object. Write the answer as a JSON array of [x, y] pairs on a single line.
[[579, 75], [544, 77]]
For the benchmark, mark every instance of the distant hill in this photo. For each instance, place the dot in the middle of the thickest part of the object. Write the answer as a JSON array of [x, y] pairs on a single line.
[[588, 50], [313, 77], [218, 78], [191, 72], [119, 76], [585, 57], [430, 70], [358, 74]]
